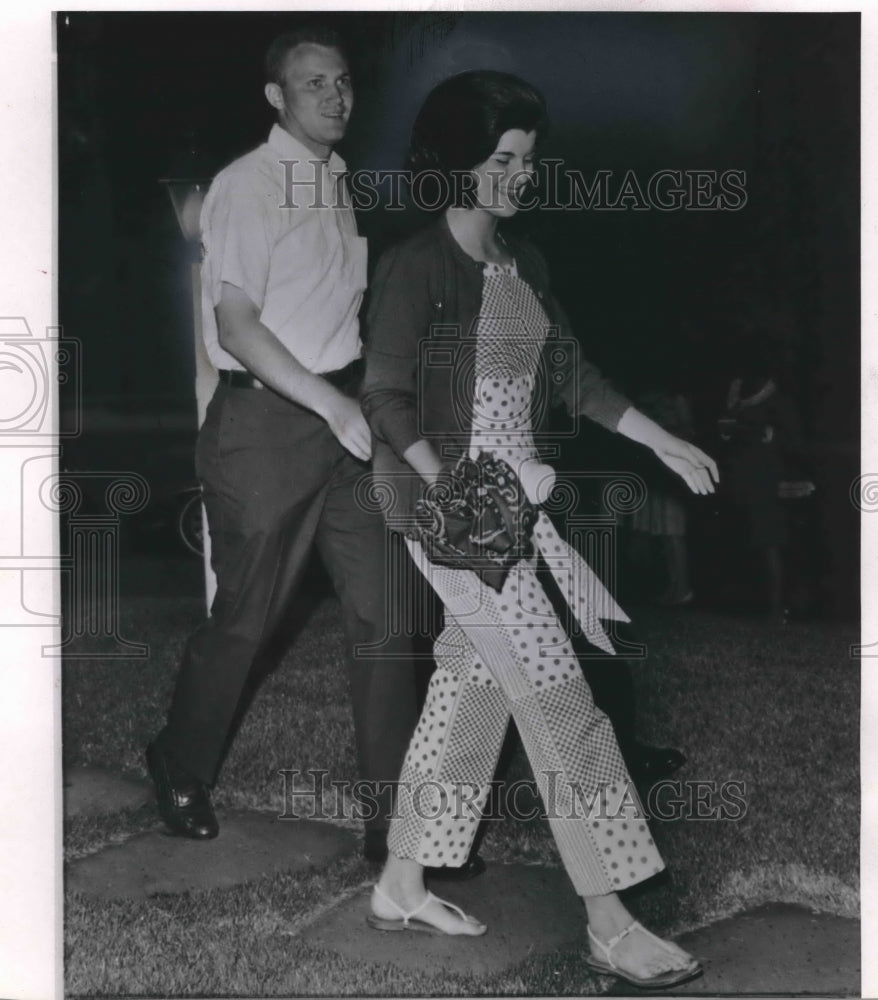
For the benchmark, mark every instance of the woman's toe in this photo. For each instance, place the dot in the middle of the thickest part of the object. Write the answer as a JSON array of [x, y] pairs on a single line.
[[657, 956], [668, 963], [681, 958], [445, 919], [673, 962]]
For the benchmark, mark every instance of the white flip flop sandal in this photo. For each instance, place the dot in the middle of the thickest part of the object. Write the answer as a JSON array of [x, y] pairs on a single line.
[[408, 921], [607, 967]]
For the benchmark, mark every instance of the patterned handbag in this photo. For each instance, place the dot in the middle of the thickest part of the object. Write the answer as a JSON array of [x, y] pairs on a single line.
[[476, 516]]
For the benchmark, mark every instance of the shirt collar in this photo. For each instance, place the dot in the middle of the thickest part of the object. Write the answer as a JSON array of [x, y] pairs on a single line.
[[291, 149]]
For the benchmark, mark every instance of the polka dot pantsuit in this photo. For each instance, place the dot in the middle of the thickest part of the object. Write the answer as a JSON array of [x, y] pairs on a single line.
[[485, 672], [506, 653]]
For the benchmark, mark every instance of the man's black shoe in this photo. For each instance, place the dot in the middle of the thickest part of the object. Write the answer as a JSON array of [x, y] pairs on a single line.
[[375, 846], [184, 801], [471, 868], [653, 763]]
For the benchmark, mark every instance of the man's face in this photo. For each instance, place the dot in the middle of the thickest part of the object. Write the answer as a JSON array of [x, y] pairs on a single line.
[[314, 100]]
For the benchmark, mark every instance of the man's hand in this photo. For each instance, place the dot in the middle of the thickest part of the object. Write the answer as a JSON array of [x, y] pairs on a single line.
[[247, 339], [347, 423]]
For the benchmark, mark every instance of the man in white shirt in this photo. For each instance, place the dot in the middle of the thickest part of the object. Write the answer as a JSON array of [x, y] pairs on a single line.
[[284, 441]]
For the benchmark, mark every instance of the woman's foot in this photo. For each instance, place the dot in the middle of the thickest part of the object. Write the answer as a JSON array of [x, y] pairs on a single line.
[[429, 913], [622, 947], [400, 901], [639, 957]]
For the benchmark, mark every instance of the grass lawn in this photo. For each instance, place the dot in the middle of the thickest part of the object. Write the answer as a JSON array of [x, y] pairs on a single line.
[[776, 710]]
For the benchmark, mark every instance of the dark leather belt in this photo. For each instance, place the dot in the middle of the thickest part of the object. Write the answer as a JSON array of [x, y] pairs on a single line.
[[239, 380], [346, 379]]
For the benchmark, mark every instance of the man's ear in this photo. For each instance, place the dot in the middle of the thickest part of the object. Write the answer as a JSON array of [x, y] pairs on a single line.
[[274, 95]]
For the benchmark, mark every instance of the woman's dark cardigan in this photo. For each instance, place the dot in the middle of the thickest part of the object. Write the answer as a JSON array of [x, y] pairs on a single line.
[[425, 302]]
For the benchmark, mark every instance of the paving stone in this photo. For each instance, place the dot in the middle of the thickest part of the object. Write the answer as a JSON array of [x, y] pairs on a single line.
[[249, 845], [774, 949], [91, 791], [530, 911]]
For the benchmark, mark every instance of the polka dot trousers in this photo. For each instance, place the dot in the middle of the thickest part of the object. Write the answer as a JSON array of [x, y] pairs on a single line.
[[507, 654]]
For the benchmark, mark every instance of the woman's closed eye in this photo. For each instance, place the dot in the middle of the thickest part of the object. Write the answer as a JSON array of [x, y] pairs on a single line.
[[506, 160]]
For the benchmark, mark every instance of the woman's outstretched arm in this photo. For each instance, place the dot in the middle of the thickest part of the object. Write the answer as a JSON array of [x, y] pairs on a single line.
[[697, 469]]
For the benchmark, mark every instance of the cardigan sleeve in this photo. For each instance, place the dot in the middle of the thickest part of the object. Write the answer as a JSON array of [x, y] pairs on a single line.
[[575, 383], [580, 387], [398, 318]]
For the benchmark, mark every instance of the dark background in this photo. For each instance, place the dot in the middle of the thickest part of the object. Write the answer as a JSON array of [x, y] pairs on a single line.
[[682, 296]]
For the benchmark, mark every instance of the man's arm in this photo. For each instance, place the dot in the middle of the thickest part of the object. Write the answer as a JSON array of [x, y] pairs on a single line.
[[249, 341]]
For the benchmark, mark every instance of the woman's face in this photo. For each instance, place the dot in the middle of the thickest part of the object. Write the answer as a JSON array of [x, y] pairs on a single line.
[[501, 178]]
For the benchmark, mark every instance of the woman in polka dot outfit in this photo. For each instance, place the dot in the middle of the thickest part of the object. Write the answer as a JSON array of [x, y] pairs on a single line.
[[462, 353]]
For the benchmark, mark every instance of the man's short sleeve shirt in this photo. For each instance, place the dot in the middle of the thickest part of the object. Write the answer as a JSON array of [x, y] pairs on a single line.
[[277, 223]]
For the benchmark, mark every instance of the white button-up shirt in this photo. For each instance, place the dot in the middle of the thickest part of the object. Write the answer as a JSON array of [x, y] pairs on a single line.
[[277, 223]]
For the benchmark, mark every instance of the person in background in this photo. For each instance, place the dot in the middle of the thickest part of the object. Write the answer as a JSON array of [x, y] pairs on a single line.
[[764, 461], [660, 524]]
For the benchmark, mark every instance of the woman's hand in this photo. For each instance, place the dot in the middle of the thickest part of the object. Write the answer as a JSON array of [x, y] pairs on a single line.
[[698, 470], [538, 480], [691, 464], [422, 457]]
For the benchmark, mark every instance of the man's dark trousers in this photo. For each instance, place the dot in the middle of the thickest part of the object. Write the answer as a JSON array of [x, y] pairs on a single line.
[[276, 484]]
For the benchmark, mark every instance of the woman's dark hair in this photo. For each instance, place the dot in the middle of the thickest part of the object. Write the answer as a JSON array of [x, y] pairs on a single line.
[[463, 118], [313, 33]]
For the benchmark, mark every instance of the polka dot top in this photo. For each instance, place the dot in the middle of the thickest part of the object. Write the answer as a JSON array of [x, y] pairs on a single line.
[[510, 334], [511, 331]]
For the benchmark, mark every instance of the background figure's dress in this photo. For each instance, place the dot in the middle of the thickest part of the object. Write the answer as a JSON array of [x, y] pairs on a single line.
[[507, 652], [766, 447], [664, 511]]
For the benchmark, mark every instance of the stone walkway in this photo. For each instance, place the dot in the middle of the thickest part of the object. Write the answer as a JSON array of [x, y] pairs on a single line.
[[531, 911], [250, 845], [774, 949], [777, 948], [92, 791]]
